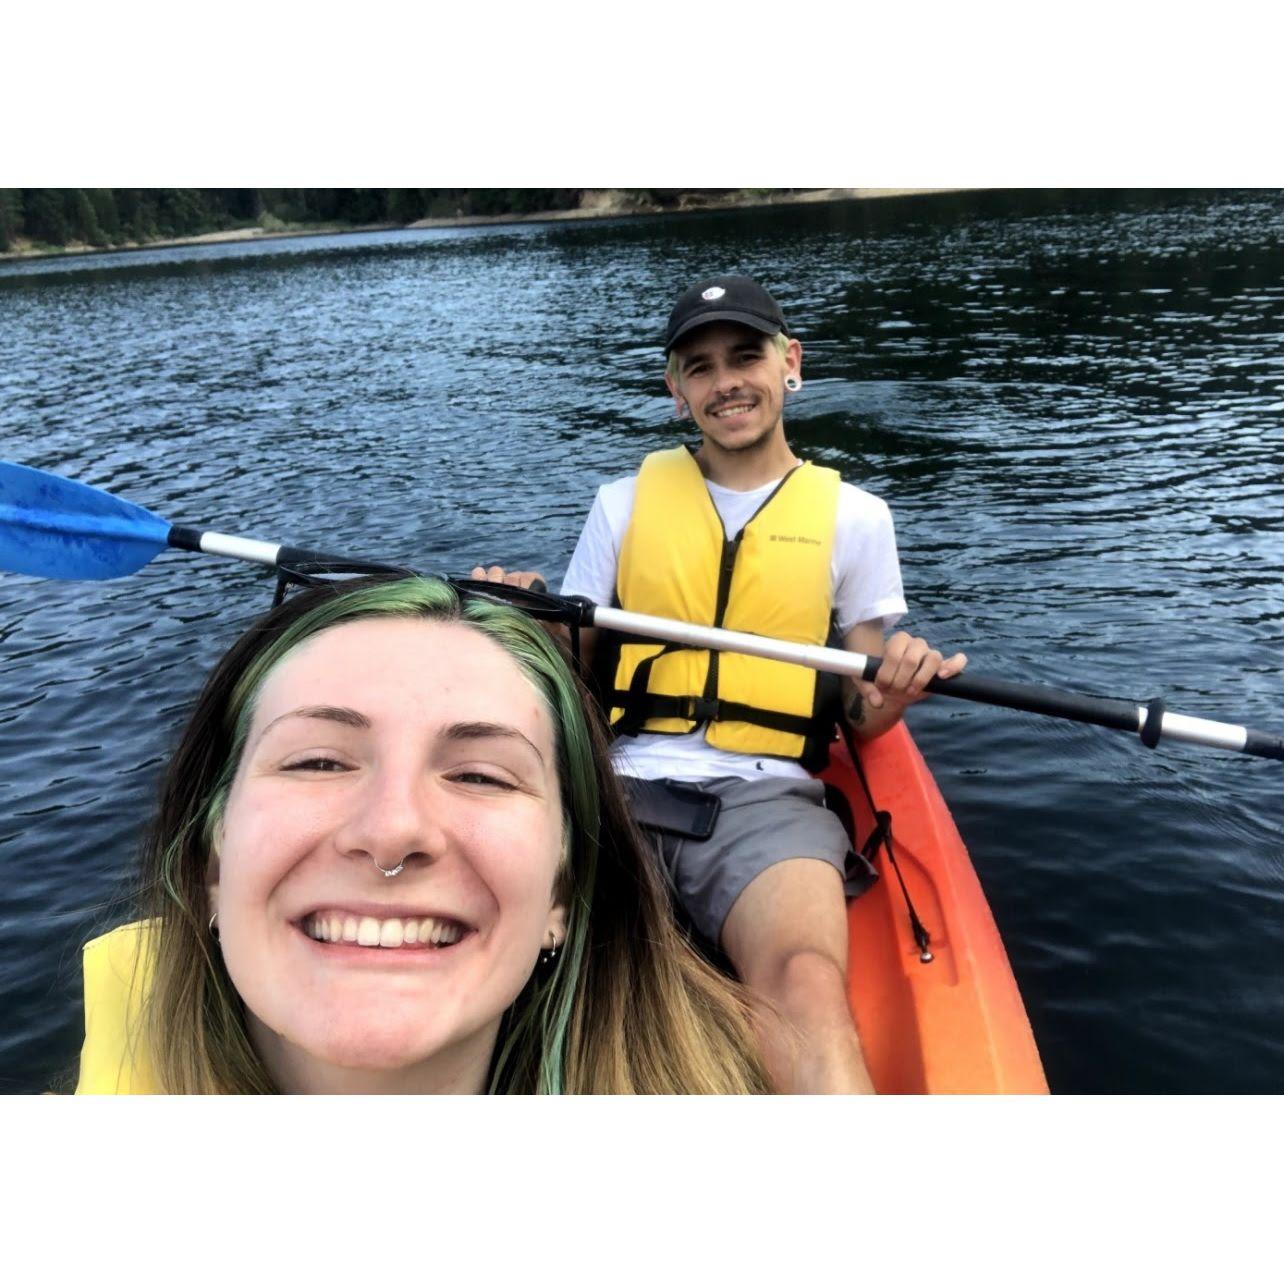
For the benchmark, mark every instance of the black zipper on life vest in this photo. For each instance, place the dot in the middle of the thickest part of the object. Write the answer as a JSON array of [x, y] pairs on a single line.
[[726, 568]]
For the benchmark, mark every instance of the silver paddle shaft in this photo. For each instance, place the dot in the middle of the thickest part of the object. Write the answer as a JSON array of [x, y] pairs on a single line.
[[1121, 715]]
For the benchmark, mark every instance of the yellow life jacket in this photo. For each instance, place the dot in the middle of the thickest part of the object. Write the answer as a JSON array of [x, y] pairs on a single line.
[[118, 975], [773, 579]]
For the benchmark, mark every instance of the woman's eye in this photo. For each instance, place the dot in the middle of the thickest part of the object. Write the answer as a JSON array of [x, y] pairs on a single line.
[[482, 778], [315, 764]]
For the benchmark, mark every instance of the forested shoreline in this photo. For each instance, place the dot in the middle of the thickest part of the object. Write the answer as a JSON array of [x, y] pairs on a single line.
[[49, 219]]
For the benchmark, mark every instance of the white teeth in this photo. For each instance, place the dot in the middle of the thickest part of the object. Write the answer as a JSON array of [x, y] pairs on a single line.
[[388, 934]]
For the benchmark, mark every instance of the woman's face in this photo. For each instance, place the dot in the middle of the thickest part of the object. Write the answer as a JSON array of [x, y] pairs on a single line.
[[389, 741]]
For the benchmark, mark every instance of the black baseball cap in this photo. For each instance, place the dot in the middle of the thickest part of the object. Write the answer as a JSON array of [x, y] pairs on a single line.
[[724, 298]]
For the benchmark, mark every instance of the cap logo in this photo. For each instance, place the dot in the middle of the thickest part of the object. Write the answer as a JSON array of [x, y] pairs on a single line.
[[713, 292]]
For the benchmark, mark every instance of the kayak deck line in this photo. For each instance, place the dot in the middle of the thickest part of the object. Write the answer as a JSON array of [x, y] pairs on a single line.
[[956, 1024]]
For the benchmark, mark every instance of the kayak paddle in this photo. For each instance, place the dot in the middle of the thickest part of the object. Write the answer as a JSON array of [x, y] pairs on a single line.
[[59, 529]]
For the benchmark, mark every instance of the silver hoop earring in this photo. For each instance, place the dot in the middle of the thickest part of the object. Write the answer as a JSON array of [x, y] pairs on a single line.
[[390, 873], [213, 921], [549, 956], [793, 382]]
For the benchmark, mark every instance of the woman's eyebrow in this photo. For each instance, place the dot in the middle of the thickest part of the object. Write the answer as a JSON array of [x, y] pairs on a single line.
[[326, 712], [485, 730]]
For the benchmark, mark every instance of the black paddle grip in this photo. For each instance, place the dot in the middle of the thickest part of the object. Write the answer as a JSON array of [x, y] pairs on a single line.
[[1100, 711], [287, 555], [187, 538], [1263, 745]]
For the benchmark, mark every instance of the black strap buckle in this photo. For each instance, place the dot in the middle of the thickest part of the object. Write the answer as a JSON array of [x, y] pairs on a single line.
[[701, 709]]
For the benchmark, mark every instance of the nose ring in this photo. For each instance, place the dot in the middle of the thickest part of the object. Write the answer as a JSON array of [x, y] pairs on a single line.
[[390, 873]]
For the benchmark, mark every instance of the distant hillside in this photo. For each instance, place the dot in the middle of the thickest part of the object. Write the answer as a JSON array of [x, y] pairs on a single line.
[[38, 219]]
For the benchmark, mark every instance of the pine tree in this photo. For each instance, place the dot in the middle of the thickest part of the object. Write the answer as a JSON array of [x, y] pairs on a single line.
[[42, 215], [104, 203], [142, 223], [362, 204], [234, 204], [10, 216], [81, 219], [179, 211], [405, 204], [323, 203]]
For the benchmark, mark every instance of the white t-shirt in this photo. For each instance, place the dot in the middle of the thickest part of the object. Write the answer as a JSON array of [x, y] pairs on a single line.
[[865, 574]]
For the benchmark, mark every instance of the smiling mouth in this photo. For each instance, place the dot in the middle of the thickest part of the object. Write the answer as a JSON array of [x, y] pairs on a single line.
[[337, 928], [736, 408]]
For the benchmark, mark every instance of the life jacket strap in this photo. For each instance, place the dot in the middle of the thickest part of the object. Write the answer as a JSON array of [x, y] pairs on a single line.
[[640, 706], [634, 700]]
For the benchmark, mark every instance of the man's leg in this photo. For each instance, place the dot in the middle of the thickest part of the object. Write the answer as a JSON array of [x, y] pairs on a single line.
[[786, 936]]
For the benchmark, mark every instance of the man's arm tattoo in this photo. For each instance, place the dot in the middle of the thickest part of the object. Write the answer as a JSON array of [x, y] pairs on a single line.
[[856, 709]]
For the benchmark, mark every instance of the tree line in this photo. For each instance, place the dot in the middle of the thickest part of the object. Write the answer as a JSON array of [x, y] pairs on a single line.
[[108, 216]]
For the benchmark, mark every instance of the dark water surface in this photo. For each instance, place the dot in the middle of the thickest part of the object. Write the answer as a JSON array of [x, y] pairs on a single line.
[[1075, 407]]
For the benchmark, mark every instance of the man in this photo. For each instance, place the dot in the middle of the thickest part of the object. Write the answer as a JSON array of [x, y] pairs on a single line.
[[741, 534]]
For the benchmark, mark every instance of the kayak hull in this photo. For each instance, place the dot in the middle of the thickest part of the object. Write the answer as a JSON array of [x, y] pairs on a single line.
[[956, 1024]]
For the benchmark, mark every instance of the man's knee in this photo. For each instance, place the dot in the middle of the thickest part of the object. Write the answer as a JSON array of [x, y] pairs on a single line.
[[798, 976]]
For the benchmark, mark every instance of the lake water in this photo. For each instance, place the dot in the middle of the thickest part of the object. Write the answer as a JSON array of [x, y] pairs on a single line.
[[1073, 403]]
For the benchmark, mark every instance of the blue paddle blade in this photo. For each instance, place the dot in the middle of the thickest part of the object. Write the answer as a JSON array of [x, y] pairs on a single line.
[[63, 530]]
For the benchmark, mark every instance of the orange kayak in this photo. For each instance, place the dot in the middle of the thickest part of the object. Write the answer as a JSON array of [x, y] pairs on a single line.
[[956, 1024]]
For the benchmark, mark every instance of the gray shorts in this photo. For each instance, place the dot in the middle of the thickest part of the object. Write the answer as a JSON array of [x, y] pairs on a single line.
[[760, 824]]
